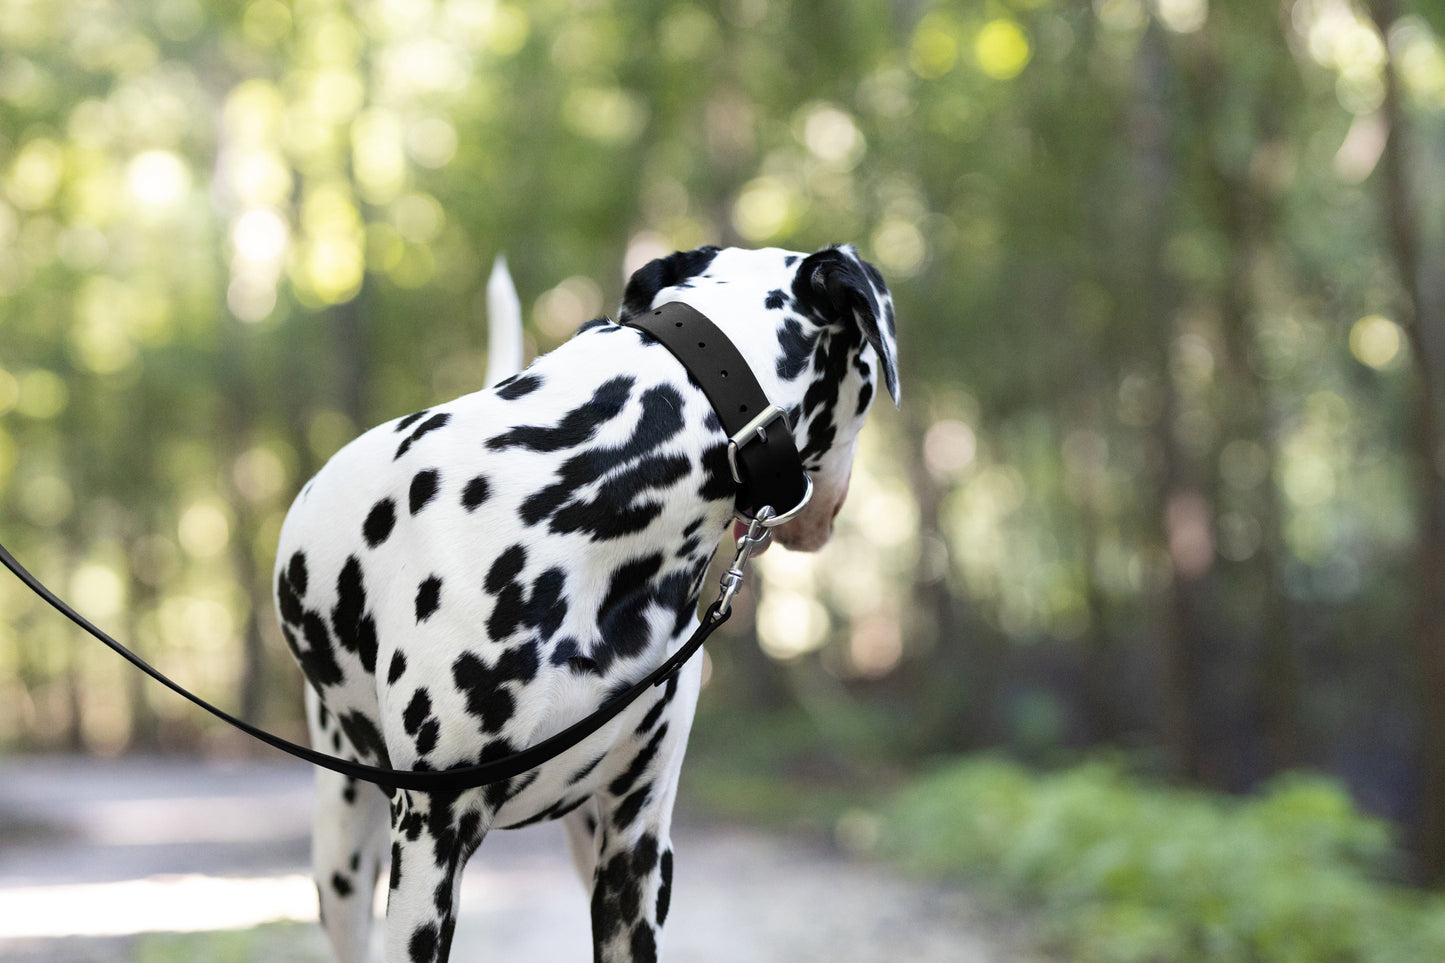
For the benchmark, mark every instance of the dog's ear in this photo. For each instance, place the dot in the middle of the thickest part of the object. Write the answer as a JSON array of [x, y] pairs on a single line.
[[839, 287], [665, 272]]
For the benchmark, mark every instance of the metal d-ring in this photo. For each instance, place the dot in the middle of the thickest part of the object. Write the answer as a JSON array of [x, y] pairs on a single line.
[[773, 519]]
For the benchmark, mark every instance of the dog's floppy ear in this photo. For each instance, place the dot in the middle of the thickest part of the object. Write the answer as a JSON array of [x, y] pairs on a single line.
[[839, 287], [665, 272]]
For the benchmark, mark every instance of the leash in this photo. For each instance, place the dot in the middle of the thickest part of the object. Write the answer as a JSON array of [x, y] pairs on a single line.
[[761, 465]]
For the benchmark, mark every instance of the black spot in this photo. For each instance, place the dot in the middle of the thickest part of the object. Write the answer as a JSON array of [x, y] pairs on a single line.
[[614, 892], [775, 299], [318, 660], [355, 860], [790, 260], [576, 427], [644, 943], [547, 608], [379, 522], [296, 572], [416, 711], [355, 630], [431, 424], [426, 736], [395, 866], [423, 944], [364, 736], [475, 493], [506, 568], [640, 762], [586, 770], [664, 892], [717, 478], [288, 600], [411, 419], [665, 272], [621, 619], [596, 323], [517, 386], [864, 397], [822, 395], [485, 686], [398, 666], [423, 488], [555, 811], [644, 855], [655, 713], [341, 884], [631, 806], [613, 514], [442, 895], [428, 594], [797, 349]]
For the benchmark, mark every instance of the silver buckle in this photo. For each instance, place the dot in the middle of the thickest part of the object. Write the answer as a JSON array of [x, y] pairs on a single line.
[[757, 428]]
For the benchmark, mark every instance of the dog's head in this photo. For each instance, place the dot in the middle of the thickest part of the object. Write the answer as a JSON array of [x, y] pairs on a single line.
[[817, 330]]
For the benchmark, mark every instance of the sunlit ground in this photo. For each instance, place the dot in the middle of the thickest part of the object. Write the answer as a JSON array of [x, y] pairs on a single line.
[[174, 904]]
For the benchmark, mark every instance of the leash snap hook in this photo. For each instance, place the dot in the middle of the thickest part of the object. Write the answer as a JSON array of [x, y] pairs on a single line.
[[754, 538]]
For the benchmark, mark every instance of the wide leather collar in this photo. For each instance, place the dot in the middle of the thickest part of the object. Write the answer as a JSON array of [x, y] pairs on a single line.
[[762, 457]]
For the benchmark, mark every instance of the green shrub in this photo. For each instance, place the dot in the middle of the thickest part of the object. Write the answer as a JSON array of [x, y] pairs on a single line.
[[1124, 871]]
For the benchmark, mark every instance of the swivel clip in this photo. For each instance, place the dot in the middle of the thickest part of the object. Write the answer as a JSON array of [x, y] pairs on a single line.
[[752, 540]]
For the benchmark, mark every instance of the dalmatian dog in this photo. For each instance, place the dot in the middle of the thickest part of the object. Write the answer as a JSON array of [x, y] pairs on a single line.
[[459, 584]]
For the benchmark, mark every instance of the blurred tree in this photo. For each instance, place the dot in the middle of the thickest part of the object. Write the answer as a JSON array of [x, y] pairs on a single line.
[[1165, 477]]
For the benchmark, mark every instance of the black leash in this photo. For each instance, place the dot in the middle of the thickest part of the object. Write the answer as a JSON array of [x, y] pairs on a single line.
[[678, 327], [467, 777]]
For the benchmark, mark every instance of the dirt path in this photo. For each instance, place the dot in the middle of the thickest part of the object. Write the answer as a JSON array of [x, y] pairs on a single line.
[[96, 858]]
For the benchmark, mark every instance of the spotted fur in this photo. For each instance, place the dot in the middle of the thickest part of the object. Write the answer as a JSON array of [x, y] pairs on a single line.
[[512, 558]]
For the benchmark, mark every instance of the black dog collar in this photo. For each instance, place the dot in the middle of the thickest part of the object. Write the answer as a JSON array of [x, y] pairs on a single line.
[[761, 455]]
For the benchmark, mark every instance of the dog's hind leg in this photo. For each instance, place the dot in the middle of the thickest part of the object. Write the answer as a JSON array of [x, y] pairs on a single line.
[[430, 847], [348, 845]]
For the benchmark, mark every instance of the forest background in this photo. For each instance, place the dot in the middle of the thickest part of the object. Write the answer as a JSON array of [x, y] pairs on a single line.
[[1165, 487]]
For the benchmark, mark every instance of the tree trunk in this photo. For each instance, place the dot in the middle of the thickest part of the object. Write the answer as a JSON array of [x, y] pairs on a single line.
[[1422, 319], [1180, 505], [970, 667]]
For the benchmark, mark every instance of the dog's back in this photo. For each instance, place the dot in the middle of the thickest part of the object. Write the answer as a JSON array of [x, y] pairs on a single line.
[[445, 561]]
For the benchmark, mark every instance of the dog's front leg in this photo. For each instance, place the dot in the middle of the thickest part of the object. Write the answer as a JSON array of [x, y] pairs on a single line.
[[631, 892], [429, 848], [632, 884]]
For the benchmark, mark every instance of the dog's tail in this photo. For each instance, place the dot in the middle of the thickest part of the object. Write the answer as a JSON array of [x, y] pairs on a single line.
[[504, 324]]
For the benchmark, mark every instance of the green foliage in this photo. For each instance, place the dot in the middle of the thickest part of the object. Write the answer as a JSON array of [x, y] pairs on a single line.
[[271, 943], [776, 768], [1120, 870]]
